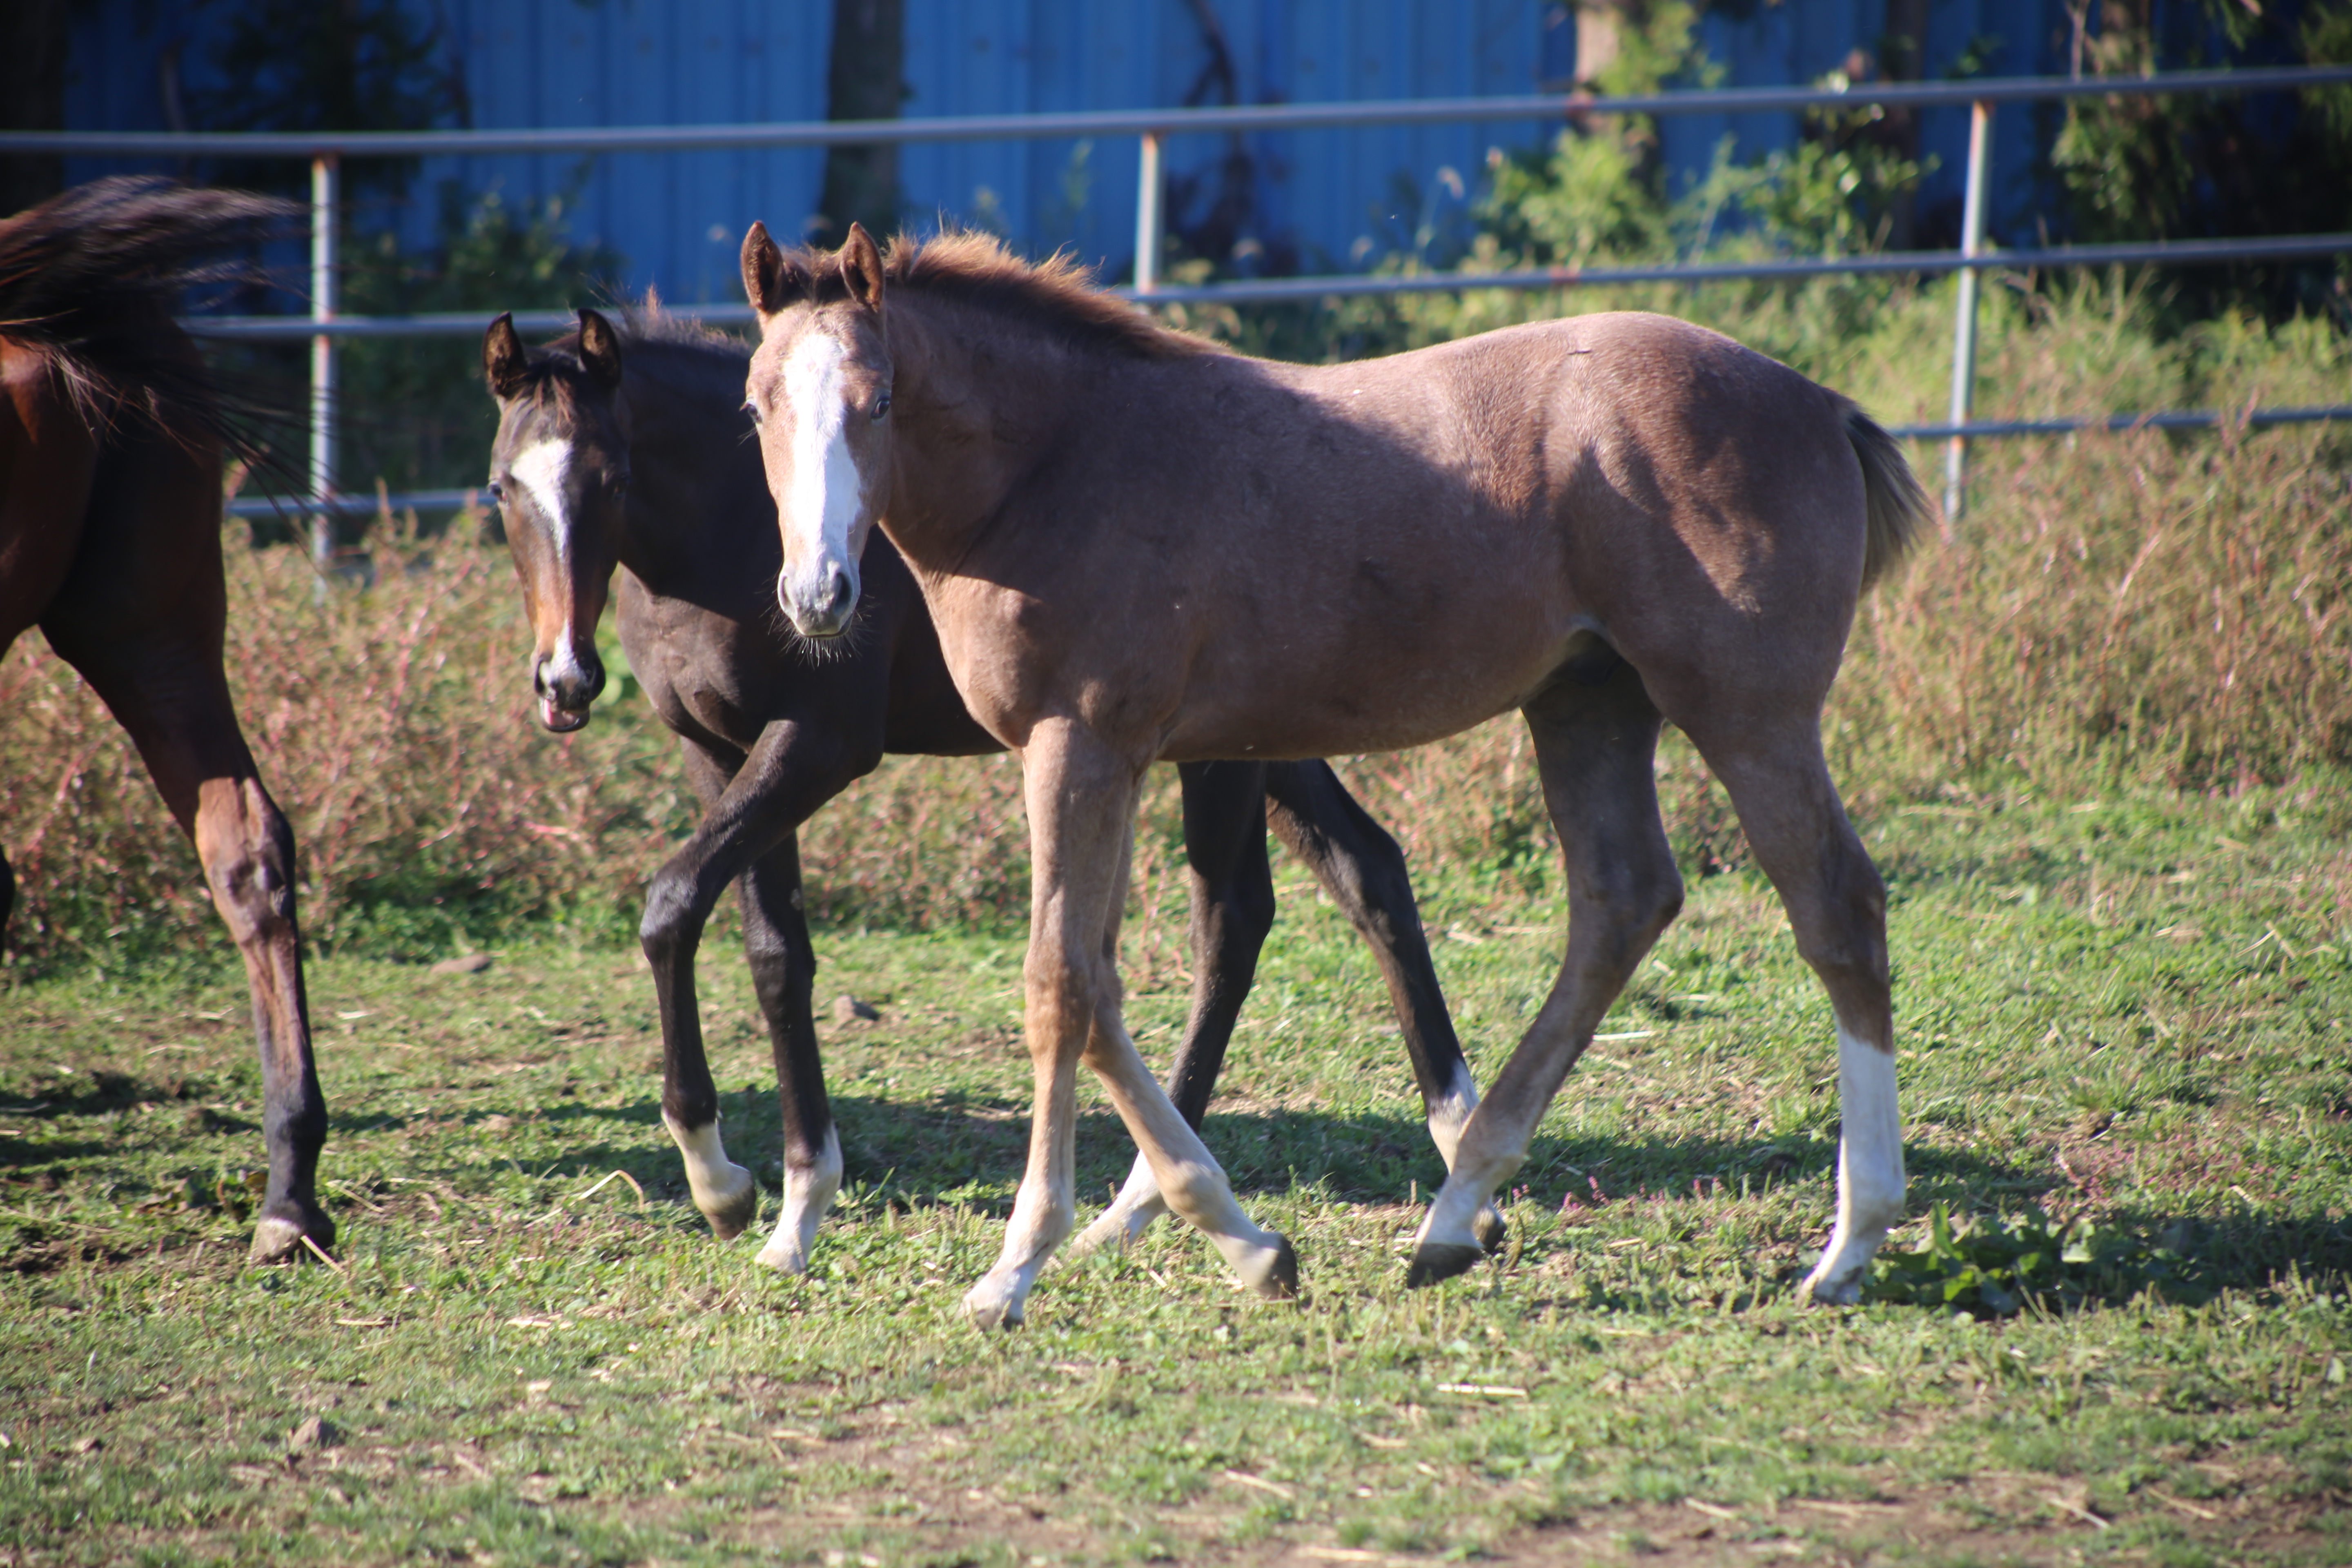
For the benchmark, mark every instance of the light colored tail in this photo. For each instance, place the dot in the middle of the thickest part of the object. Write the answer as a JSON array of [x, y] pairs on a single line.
[[1897, 504]]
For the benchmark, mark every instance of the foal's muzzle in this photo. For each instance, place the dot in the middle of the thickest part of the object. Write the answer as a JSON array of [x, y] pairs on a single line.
[[821, 609], [566, 685]]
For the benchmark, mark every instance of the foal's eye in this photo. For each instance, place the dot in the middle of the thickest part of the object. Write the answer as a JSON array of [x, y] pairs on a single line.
[[881, 405], [752, 409], [498, 493], [620, 488]]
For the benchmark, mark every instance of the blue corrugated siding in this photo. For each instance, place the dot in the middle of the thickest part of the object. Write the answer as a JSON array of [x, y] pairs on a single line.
[[1333, 195]]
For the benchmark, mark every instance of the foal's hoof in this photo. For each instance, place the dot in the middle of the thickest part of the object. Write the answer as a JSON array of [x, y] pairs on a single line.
[[989, 1308], [1489, 1228], [731, 1213], [1275, 1279], [278, 1237], [1436, 1260]]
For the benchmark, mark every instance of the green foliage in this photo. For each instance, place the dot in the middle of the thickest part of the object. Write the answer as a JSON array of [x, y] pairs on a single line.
[[1997, 1267], [417, 415], [299, 64], [2226, 164]]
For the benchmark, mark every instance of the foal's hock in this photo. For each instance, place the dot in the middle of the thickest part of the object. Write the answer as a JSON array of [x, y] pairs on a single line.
[[1137, 546]]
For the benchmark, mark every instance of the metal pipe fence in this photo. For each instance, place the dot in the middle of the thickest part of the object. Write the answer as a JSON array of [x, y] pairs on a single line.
[[1151, 127]]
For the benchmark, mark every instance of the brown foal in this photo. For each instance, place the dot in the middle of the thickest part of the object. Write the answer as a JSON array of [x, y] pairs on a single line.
[[1136, 546]]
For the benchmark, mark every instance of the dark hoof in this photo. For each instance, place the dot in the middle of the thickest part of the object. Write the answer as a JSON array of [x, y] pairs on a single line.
[[736, 1217], [277, 1236], [1490, 1230], [1436, 1260], [1279, 1281]]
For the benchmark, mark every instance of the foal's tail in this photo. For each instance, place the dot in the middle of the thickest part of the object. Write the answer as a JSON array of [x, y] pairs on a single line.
[[1897, 505]]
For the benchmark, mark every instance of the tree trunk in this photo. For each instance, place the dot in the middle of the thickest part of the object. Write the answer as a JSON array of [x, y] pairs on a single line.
[[1904, 57], [865, 80]]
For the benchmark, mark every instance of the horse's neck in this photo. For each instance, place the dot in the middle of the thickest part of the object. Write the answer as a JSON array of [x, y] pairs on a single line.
[[685, 442], [976, 410]]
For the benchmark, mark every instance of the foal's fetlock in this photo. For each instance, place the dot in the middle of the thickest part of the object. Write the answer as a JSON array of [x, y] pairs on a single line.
[[808, 1194], [1490, 1229], [1130, 1213]]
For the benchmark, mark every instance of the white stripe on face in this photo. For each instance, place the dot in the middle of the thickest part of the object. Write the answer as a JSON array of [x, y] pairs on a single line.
[[542, 469], [825, 491]]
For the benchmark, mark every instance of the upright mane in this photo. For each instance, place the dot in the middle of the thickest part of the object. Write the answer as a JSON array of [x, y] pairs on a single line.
[[1059, 294], [92, 276], [686, 354]]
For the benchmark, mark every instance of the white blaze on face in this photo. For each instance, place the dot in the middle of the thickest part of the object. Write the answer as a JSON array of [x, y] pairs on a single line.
[[544, 470], [823, 503]]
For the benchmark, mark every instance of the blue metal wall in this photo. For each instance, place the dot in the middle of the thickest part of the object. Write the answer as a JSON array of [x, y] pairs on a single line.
[[1332, 197]]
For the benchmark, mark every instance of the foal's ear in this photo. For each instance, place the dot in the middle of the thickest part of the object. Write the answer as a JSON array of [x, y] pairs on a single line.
[[770, 280], [503, 359], [861, 268], [600, 350]]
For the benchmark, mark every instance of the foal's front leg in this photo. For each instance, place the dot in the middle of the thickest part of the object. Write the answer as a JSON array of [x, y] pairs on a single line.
[[1081, 798], [752, 807]]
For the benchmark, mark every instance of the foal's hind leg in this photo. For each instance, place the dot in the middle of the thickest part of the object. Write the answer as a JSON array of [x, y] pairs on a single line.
[[783, 971], [1789, 809], [1364, 870], [1594, 745]]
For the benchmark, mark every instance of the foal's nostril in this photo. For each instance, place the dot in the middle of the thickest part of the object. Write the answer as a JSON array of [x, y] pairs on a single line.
[[837, 592]]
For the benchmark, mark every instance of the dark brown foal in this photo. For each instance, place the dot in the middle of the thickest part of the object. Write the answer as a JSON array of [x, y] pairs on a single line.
[[1136, 546], [629, 448], [109, 541]]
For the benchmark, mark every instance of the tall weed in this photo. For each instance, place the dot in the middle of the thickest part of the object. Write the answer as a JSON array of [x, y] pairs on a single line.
[[2148, 611]]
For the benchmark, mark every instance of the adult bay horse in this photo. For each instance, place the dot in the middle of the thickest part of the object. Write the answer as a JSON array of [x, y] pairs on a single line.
[[1137, 546], [629, 448], [111, 441]]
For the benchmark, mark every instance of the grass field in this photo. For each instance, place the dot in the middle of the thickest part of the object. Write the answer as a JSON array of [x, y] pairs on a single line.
[[2131, 1009]]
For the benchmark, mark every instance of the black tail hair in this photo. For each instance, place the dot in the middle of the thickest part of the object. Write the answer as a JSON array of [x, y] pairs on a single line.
[[93, 275]]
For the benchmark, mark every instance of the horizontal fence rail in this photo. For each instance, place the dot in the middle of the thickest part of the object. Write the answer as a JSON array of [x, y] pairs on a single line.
[[2121, 424], [1562, 106], [327, 150], [1277, 290]]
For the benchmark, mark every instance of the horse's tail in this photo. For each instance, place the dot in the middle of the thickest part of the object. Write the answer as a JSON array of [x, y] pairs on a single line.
[[1895, 504], [91, 275]]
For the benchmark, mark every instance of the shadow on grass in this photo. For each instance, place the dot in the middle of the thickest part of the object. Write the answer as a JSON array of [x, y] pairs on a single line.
[[969, 1152], [967, 1149]]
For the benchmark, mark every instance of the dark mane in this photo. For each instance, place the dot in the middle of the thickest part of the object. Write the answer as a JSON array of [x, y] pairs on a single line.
[[1057, 293], [683, 349], [93, 275]]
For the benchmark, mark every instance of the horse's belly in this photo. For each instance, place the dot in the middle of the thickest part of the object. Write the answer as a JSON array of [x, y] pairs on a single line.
[[1372, 700]]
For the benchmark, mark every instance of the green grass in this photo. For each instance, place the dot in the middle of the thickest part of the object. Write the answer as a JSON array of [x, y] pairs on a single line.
[[2133, 1009]]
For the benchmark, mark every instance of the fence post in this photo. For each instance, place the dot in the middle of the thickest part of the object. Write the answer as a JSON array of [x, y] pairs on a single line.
[[1147, 216], [1964, 329], [326, 182]]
